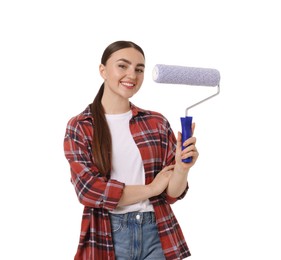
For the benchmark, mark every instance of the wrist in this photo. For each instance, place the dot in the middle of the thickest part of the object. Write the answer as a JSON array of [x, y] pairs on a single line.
[[180, 170], [150, 190]]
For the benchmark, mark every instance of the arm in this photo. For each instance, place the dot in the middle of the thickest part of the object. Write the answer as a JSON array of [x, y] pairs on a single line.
[[178, 180], [136, 193], [92, 188], [95, 190]]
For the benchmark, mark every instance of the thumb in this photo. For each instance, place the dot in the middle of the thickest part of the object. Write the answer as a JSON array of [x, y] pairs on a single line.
[[192, 128], [179, 140]]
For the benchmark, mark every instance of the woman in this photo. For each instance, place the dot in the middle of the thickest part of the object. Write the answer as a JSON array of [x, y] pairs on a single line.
[[126, 168]]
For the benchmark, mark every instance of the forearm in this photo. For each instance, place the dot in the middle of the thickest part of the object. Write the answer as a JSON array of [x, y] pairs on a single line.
[[134, 194], [177, 184]]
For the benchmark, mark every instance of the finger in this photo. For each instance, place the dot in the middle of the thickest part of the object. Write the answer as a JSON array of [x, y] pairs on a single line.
[[179, 142], [189, 148], [189, 153], [192, 128], [179, 138], [189, 141]]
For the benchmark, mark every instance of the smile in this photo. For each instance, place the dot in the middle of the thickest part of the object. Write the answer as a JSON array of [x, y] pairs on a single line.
[[128, 84]]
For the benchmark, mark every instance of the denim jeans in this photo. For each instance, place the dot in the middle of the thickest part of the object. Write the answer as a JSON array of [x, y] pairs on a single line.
[[135, 236]]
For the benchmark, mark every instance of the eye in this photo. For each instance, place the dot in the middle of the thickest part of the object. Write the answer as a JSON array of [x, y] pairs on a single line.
[[122, 66], [139, 70]]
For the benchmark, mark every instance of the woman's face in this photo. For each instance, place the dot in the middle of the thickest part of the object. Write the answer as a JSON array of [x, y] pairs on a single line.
[[123, 73]]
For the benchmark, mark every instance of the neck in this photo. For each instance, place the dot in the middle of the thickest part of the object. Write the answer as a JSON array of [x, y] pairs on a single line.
[[113, 107]]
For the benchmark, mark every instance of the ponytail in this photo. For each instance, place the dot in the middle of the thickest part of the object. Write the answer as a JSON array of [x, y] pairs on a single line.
[[101, 145]]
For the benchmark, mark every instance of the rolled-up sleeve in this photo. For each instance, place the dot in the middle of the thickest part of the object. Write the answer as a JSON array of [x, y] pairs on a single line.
[[92, 188], [172, 200]]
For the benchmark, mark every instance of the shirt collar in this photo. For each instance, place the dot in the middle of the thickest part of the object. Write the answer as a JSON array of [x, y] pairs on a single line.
[[87, 112], [136, 110]]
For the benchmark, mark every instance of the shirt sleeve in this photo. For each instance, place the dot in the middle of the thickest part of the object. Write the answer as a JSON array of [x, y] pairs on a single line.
[[92, 188], [172, 200]]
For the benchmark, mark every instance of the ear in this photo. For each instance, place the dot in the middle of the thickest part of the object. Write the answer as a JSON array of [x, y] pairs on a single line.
[[102, 71]]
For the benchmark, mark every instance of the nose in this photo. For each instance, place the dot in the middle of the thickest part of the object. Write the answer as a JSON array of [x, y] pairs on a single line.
[[132, 73]]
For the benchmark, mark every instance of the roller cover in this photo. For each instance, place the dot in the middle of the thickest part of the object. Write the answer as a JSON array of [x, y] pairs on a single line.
[[173, 74]]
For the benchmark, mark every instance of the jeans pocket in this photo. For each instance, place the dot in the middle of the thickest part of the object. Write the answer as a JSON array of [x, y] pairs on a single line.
[[116, 223]]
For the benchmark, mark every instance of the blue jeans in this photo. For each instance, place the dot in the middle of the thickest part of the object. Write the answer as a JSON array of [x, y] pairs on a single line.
[[135, 236]]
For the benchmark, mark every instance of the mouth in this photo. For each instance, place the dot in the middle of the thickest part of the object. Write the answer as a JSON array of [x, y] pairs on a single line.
[[128, 85]]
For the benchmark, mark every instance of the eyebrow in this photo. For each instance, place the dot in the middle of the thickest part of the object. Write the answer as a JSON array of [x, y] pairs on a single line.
[[127, 61]]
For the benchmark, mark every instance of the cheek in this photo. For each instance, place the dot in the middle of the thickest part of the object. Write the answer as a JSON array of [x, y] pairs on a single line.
[[113, 77], [140, 79], [138, 87]]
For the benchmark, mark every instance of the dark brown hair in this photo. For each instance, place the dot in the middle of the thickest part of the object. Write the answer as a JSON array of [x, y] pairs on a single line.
[[102, 146]]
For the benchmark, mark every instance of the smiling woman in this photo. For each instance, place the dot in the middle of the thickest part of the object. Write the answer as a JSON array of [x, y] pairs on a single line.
[[123, 75], [126, 168]]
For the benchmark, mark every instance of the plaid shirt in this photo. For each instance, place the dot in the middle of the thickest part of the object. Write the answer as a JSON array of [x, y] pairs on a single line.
[[99, 194]]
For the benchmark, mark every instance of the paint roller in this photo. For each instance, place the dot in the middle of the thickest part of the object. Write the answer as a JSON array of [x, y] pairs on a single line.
[[173, 74]]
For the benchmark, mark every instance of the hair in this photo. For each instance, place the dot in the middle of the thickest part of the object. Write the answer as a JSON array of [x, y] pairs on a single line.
[[102, 145]]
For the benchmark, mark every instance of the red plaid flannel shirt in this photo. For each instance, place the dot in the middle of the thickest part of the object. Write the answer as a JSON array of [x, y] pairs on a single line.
[[99, 194]]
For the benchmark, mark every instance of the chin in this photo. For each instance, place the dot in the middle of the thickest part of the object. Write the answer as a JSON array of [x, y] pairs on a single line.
[[128, 94]]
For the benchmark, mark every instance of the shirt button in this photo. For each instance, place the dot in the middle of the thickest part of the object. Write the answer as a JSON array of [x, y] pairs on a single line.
[[138, 217]]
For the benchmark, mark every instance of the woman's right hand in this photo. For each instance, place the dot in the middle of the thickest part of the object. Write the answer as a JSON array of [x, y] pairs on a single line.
[[161, 180]]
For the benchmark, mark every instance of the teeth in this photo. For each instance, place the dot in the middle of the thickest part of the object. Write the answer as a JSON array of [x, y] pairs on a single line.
[[128, 84]]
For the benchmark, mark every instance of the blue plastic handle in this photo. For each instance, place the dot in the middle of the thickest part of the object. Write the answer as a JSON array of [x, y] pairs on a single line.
[[186, 123]]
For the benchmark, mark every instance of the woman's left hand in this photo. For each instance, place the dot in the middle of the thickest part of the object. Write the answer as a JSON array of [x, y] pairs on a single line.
[[190, 150]]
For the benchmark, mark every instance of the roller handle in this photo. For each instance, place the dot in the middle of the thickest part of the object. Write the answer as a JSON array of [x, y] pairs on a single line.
[[186, 123]]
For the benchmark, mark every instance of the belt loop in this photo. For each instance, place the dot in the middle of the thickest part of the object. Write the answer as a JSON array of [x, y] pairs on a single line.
[[153, 217], [125, 219]]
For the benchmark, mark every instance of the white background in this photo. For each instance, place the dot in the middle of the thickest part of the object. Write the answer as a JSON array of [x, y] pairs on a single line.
[[49, 57]]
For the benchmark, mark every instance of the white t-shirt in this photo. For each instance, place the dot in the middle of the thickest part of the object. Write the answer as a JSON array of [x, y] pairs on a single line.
[[127, 165]]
